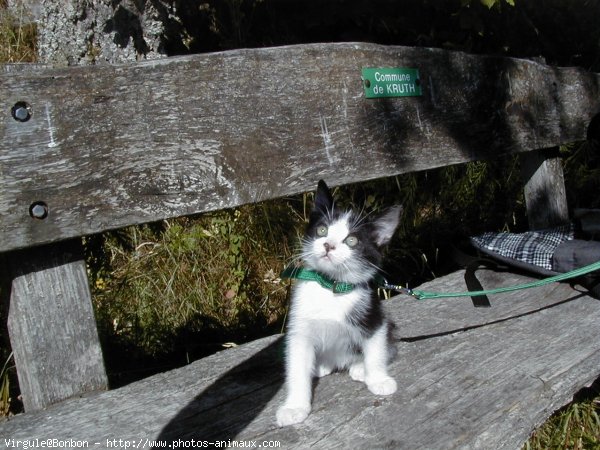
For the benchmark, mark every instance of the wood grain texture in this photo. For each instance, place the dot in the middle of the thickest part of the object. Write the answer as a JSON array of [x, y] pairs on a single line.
[[52, 325], [109, 146], [486, 387], [544, 190]]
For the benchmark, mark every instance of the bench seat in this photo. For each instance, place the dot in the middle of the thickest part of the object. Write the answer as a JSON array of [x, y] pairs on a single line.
[[468, 378]]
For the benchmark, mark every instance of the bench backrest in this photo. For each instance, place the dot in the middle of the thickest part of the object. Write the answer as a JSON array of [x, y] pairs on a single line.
[[87, 149]]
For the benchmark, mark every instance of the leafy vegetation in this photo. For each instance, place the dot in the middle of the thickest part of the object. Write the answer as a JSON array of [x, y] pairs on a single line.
[[170, 292]]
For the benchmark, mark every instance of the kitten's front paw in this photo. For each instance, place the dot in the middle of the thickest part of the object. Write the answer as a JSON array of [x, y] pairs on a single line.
[[383, 386], [357, 372], [323, 371], [289, 416]]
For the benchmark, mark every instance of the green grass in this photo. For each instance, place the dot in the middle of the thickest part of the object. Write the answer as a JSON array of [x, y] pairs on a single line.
[[17, 37], [575, 427], [5, 387], [176, 290]]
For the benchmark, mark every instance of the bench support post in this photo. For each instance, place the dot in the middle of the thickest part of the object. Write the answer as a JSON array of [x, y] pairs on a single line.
[[51, 324], [545, 195]]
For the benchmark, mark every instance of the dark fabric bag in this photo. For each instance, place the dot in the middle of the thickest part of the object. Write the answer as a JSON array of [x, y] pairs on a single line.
[[545, 252]]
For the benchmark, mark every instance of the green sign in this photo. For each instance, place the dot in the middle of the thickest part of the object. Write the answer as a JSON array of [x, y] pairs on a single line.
[[391, 82]]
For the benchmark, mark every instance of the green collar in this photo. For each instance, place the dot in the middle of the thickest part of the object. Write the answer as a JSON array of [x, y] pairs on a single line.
[[300, 273]]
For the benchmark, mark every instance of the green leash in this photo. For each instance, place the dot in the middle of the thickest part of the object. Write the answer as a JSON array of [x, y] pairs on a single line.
[[424, 295], [338, 287]]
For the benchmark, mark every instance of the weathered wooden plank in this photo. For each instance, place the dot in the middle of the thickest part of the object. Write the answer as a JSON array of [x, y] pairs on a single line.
[[545, 194], [52, 325], [483, 388], [108, 146]]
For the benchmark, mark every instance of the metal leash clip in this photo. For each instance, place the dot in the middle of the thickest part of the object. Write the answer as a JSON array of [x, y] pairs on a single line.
[[396, 287]]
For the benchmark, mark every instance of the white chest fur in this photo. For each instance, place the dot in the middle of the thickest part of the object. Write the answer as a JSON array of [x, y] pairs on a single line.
[[320, 317], [313, 302]]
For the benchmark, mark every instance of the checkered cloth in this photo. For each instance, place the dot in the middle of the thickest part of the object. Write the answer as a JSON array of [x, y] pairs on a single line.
[[532, 247]]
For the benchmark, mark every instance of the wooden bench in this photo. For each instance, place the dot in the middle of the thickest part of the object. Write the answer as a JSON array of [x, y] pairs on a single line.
[[89, 149]]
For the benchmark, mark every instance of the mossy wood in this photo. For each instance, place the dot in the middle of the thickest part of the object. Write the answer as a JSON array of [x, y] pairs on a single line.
[[110, 146], [484, 379]]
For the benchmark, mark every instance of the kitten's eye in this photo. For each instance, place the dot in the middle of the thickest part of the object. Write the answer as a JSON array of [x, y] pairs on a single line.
[[322, 231], [351, 241]]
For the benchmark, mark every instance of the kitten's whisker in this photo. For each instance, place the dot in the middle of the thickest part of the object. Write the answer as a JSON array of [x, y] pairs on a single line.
[[362, 218], [375, 266]]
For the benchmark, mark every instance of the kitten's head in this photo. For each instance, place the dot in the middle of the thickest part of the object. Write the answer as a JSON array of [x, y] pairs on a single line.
[[342, 244]]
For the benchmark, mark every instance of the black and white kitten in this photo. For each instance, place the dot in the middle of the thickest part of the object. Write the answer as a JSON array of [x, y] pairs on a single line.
[[329, 331]]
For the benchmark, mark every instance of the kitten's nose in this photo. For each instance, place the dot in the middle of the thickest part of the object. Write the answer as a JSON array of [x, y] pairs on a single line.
[[328, 246]]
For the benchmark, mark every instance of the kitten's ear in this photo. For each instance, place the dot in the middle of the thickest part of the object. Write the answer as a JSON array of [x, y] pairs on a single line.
[[386, 224], [323, 198]]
